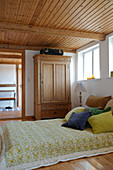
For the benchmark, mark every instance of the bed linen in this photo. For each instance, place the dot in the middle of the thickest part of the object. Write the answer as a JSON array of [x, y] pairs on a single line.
[[34, 144]]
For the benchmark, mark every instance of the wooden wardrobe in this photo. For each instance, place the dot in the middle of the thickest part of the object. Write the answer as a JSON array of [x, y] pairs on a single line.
[[52, 98]]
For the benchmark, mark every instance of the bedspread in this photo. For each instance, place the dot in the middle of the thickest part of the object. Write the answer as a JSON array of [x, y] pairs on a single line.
[[45, 142]]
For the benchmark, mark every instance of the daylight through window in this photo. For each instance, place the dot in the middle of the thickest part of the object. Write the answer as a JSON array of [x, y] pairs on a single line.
[[111, 56], [89, 63]]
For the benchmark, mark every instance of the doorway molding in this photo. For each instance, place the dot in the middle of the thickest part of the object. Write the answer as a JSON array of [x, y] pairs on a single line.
[[17, 54]]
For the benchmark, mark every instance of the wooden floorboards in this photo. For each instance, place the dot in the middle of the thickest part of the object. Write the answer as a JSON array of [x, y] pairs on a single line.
[[103, 162], [10, 114]]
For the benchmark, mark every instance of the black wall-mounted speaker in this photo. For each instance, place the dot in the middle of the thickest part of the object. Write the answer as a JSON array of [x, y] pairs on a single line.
[[51, 51]]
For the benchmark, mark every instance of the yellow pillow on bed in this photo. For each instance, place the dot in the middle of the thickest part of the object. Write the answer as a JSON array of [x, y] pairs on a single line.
[[102, 123], [75, 110]]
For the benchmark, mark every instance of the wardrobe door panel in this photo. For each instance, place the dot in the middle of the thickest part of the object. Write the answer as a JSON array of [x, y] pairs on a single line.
[[47, 82], [60, 82]]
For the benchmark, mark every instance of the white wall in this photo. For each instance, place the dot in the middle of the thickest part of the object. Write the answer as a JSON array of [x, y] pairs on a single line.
[[72, 77], [7, 74], [103, 86], [29, 80]]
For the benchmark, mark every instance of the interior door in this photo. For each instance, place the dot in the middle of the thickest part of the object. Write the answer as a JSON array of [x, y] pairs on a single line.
[[47, 81]]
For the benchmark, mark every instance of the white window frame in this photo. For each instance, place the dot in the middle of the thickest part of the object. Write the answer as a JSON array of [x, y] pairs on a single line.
[[91, 49], [110, 53]]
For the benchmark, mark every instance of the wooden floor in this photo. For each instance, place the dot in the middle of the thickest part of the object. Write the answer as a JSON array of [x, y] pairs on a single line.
[[98, 162], [10, 114], [103, 162]]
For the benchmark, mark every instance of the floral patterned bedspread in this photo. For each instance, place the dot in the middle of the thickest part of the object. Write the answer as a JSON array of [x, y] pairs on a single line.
[[34, 144]]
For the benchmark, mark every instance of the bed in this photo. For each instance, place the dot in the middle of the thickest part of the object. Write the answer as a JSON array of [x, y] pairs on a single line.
[[33, 144]]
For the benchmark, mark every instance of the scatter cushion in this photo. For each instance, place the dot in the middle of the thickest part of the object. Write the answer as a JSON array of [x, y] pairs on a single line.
[[95, 101], [95, 111], [110, 104], [75, 110], [77, 120], [101, 123], [87, 125]]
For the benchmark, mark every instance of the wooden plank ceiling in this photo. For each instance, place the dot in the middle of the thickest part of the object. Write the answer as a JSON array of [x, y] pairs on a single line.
[[64, 24]]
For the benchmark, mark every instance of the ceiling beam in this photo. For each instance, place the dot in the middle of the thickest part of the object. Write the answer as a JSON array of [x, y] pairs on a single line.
[[21, 47], [50, 31]]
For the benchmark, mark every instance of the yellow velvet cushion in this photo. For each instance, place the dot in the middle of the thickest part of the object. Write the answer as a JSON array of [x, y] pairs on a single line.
[[75, 110], [102, 122]]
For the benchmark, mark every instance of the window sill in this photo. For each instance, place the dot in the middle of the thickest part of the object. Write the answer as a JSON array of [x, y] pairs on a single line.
[[109, 78], [88, 80]]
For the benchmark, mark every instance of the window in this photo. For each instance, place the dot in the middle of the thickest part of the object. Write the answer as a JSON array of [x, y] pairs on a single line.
[[89, 63], [111, 56]]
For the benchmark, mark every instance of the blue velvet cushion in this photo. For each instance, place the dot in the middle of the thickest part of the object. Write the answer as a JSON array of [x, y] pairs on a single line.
[[77, 120]]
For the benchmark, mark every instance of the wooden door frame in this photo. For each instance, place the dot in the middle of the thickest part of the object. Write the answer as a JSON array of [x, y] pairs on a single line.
[[22, 56], [17, 72]]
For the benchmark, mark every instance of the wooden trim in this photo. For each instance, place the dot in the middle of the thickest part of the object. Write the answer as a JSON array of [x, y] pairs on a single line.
[[23, 84], [49, 31], [17, 84], [22, 47], [10, 56], [7, 85], [6, 119], [54, 57], [23, 76], [7, 90], [10, 61], [7, 98], [13, 55], [11, 50], [28, 117]]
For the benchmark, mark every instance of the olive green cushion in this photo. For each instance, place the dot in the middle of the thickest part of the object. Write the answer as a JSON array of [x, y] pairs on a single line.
[[75, 110], [102, 123]]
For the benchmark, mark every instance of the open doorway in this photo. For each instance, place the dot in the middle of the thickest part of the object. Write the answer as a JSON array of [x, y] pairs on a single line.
[[12, 85]]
